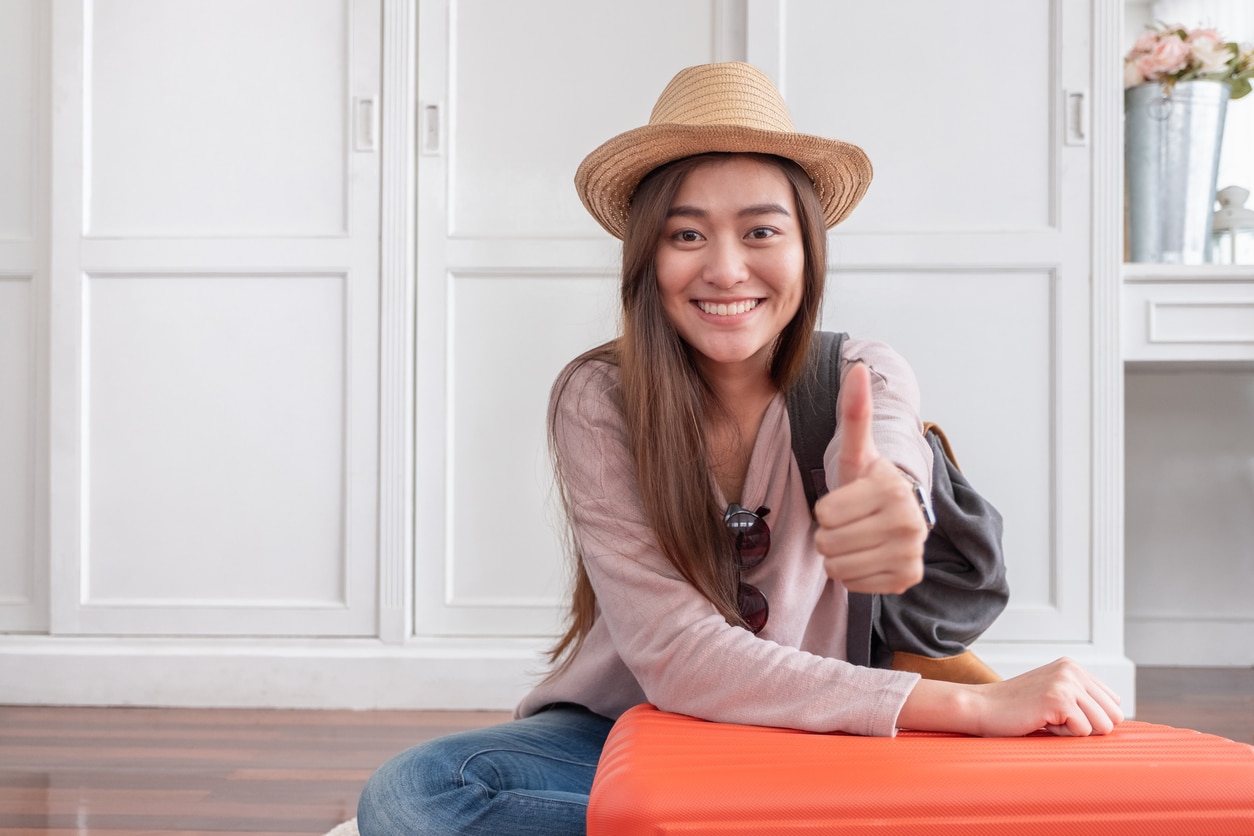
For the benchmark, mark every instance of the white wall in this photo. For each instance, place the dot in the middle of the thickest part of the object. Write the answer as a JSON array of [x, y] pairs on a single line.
[[1190, 519], [397, 326]]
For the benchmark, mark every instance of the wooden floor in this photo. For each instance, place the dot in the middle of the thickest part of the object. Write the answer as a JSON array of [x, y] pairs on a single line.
[[141, 772]]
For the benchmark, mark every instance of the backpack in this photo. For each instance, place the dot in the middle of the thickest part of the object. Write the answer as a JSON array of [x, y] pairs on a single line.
[[928, 627]]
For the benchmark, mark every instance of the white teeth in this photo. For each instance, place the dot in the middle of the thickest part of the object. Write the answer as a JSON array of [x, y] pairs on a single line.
[[728, 310]]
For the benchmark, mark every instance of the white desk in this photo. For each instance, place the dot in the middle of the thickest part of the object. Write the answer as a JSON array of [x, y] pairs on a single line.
[[1193, 314]]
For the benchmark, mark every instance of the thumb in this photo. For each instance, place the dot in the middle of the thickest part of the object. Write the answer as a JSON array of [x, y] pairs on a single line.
[[857, 447]]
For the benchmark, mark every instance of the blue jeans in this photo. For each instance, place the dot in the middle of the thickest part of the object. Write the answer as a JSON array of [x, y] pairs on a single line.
[[529, 776]]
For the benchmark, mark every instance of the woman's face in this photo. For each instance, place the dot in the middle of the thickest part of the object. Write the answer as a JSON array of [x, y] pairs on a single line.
[[730, 262]]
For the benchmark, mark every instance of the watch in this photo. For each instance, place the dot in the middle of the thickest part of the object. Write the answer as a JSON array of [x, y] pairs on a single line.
[[925, 505]]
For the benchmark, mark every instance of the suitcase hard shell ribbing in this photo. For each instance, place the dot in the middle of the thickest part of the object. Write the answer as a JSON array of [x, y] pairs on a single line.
[[664, 773]]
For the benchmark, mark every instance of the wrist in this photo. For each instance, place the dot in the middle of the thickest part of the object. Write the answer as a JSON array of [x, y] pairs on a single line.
[[936, 705]]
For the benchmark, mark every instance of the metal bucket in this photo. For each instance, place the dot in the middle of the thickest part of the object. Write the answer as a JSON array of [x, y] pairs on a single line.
[[1171, 157]]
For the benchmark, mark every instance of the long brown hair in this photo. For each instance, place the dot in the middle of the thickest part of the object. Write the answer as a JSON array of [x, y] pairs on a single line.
[[666, 401]]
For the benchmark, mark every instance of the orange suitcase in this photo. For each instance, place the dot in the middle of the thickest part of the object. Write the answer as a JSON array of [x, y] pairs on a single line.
[[665, 773]]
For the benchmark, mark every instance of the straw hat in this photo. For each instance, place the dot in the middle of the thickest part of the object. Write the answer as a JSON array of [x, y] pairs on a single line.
[[729, 107]]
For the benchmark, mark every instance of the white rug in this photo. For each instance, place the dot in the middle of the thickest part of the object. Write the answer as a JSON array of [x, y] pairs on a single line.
[[348, 828]]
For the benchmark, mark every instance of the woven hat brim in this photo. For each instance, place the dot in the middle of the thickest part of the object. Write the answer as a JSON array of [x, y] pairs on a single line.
[[607, 178]]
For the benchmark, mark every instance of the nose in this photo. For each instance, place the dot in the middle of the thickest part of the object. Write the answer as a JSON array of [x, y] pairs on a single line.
[[725, 265]]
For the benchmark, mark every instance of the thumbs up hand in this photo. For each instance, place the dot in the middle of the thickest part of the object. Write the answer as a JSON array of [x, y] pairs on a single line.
[[871, 530], [857, 444]]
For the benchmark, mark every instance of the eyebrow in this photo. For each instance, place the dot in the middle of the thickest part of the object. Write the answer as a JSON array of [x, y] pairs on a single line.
[[747, 212]]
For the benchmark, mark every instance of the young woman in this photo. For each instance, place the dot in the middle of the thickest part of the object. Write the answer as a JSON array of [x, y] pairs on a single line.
[[666, 437]]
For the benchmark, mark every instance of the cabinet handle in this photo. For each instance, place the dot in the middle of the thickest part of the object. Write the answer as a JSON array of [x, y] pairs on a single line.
[[1076, 119], [432, 131], [365, 124]]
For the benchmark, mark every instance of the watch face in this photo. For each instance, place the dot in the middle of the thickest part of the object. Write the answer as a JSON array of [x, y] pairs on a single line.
[[925, 505]]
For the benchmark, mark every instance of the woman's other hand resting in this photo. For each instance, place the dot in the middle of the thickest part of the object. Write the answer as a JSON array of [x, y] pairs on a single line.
[[1061, 697], [871, 529]]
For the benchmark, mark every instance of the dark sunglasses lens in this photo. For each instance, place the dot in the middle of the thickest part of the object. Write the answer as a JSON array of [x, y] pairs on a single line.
[[753, 538], [753, 608]]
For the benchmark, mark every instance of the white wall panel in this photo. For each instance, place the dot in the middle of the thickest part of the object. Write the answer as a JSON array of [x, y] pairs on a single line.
[[17, 557], [514, 278], [214, 395], [217, 117], [214, 446], [18, 48], [23, 114], [526, 109], [946, 156], [506, 548]]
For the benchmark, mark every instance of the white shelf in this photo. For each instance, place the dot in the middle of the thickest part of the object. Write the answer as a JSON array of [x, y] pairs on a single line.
[[1144, 272]]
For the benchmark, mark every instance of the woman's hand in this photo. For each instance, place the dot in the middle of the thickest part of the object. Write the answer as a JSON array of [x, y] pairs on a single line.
[[1061, 697], [871, 529]]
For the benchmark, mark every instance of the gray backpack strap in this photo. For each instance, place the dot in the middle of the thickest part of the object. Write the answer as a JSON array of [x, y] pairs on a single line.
[[812, 418], [864, 612], [812, 411]]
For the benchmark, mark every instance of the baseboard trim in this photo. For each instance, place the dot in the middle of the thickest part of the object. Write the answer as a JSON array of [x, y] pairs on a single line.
[[429, 674], [462, 674], [1193, 642]]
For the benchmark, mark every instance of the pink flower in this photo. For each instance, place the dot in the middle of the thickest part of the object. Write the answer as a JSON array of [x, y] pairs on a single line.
[[1209, 34], [1168, 56], [1145, 43]]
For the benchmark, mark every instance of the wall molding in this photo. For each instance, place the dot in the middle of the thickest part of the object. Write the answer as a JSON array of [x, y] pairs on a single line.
[[398, 234], [1107, 360]]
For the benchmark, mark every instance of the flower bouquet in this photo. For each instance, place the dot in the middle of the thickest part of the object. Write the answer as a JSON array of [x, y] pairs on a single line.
[[1171, 52], [1178, 82]]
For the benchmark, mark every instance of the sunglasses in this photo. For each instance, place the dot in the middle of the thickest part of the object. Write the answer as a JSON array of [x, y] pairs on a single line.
[[752, 537]]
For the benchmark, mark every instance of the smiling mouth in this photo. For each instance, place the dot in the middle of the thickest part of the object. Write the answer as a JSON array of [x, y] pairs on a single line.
[[724, 309]]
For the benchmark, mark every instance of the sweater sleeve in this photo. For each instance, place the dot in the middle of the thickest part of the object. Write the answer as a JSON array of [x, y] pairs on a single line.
[[896, 427], [684, 654]]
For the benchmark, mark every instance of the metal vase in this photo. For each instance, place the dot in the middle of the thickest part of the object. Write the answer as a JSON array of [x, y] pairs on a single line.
[[1171, 156]]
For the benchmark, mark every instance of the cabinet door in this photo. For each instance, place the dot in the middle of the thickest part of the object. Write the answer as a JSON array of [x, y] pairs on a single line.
[[970, 252], [514, 278], [214, 317], [23, 572]]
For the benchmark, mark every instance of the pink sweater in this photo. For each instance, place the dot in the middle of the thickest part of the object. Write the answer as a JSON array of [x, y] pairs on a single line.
[[657, 639]]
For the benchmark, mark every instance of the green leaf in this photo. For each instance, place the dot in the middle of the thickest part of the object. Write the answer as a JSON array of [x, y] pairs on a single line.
[[1239, 88]]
